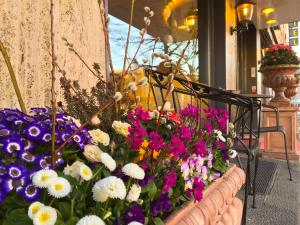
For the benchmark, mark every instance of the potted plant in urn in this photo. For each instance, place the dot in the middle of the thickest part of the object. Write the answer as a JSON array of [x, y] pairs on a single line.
[[278, 67]]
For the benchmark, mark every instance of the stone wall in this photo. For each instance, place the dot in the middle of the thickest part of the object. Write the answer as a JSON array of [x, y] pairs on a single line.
[[25, 31]]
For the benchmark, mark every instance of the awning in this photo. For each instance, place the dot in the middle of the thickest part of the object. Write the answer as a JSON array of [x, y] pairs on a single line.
[[286, 11]]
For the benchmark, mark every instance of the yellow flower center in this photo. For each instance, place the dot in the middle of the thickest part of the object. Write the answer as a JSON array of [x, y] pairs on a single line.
[[44, 217], [85, 172], [44, 177], [35, 209], [58, 187]]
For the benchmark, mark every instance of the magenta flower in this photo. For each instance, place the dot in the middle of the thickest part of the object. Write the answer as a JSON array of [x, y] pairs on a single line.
[[170, 181], [177, 147], [185, 133], [137, 132], [200, 148], [198, 189], [156, 142]]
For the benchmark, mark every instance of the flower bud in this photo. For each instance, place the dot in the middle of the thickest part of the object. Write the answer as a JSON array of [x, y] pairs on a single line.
[[95, 120], [170, 77], [118, 96], [132, 86], [147, 9], [143, 81], [151, 13]]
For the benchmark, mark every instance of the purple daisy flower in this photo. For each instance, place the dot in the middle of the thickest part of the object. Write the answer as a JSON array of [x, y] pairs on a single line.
[[30, 193], [3, 196], [46, 137], [33, 132], [15, 171], [28, 157], [43, 163], [18, 122], [4, 132], [29, 145], [12, 145], [3, 125], [78, 138], [11, 184]]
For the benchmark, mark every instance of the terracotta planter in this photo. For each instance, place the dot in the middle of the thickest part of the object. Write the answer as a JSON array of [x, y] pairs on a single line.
[[291, 90], [278, 78], [219, 205]]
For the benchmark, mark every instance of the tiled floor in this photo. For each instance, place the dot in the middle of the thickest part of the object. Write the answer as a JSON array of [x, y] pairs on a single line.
[[282, 205]]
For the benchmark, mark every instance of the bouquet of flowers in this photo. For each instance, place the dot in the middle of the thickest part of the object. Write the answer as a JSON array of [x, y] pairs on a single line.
[[279, 55]]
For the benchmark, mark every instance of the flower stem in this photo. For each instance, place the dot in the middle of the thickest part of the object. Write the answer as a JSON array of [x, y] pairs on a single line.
[[52, 201], [72, 207]]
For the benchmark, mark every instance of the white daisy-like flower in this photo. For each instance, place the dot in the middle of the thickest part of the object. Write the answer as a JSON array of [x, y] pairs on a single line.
[[43, 178], [73, 170], [135, 223], [100, 137], [92, 153], [232, 153], [45, 216], [90, 220], [111, 186], [134, 193], [34, 208], [121, 128], [108, 161], [85, 172], [219, 135], [118, 96], [59, 188], [133, 170]]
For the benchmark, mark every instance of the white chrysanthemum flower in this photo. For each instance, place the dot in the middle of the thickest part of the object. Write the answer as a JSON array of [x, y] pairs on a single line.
[[108, 161], [73, 170], [43, 178], [85, 172], [92, 153], [219, 135], [59, 188], [112, 187], [135, 223], [100, 137], [34, 208], [232, 153], [121, 128], [133, 170], [45, 216], [90, 220], [134, 193], [118, 96]]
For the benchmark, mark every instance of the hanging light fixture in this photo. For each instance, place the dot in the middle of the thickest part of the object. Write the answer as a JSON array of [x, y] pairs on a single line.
[[244, 10]]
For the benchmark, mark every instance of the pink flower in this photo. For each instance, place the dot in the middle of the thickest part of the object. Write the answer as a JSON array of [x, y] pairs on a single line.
[[170, 181], [198, 189]]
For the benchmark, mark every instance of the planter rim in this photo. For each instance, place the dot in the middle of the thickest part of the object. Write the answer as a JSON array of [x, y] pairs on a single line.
[[288, 66]]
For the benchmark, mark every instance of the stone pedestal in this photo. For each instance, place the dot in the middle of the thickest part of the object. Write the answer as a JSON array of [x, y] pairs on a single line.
[[274, 142]]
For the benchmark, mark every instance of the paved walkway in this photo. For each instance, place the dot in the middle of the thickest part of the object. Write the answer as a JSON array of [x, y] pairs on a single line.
[[282, 206]]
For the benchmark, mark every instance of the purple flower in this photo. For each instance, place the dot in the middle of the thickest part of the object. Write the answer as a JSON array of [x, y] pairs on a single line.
[[134, 213], [146, 180], [15, 171], [161, 204], [28, 157], [208, 127], [137, 132], [198, 188], [14, 144], [156, 142], [30, 193], [200, 148], [3, 171], [33, 132], [46, 137], [139, 114]]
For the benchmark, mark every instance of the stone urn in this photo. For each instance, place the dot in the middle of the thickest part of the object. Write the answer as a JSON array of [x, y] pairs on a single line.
[[291, 90], [219, 205], [279, 77]]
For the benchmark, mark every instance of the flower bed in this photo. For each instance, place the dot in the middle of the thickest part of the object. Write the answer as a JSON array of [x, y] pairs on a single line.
[[148, 167]]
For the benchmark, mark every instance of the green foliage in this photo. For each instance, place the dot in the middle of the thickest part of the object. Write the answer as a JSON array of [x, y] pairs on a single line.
[[279, 57]]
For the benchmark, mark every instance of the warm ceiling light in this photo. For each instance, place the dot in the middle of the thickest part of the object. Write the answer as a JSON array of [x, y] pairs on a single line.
[[268, 11], [271, 22]]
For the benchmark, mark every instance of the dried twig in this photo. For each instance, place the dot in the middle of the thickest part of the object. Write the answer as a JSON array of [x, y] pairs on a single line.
[[53, 94]]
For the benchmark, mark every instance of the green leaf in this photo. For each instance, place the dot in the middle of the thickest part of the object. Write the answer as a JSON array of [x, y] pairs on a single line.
[[17, 217], [72, 221], [64, 208], [152, 190], [158, 221]]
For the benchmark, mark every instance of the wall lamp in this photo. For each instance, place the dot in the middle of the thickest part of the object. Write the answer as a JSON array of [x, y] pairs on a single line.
[[244, 10]]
